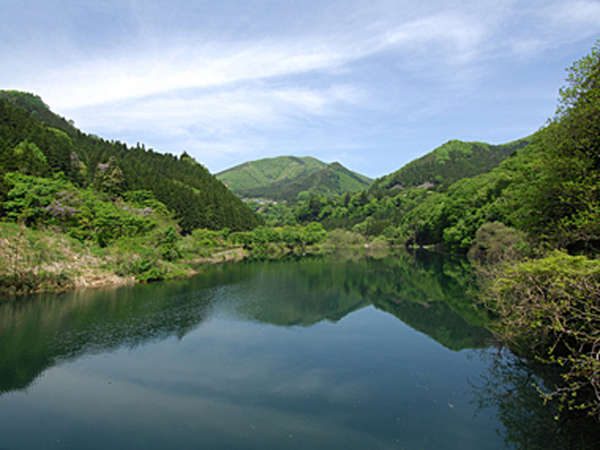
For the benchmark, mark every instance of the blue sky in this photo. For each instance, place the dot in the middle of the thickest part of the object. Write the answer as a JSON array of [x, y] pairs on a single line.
[[372, 84]]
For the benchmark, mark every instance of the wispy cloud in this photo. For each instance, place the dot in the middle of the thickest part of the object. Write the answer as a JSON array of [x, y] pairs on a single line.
[[139, 75], [134, 72], [461, 34], [227, 79], [221, 111]]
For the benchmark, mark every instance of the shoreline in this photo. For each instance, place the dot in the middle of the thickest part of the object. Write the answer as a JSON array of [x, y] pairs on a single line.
[[95, 276]]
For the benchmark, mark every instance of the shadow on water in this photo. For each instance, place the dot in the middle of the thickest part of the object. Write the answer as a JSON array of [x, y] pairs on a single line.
[[432, 294], [427, 292], [510, 387]]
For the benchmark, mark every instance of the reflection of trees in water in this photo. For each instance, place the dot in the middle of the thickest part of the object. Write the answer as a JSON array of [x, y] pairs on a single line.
[[439, 322], [36, 333], [511, 387], [427, 293]]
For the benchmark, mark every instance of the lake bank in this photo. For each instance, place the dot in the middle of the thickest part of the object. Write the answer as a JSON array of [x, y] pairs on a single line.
[[49, 261]]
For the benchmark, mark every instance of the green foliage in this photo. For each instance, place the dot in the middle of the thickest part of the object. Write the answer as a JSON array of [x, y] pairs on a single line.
[[546, 186], [18, 126], [452, 148], [290, 236], [145, 268], [549, 307], [79, 170], [288, 178], [313, 233], [420, 215], [195, 197], [168, 244], [274, 213], [495, 242], [425, 216], [563, 202], [38, 109], [82, 213], [29, 159], [254, 174], [33, 261], [343, 238], [109, 177], [451, 162]]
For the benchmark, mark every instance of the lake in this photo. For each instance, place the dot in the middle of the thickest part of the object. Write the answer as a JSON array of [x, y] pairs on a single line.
[[318, 353]]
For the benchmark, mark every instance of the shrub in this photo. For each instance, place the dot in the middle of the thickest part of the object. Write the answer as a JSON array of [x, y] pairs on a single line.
[[495, 242], [80, 212], [344, 238], [550, 308]]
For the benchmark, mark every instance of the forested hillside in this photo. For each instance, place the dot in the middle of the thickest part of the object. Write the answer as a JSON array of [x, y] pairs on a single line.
[[289, 178], [195, 196], [446, 164], [389, 204], [400, 204]]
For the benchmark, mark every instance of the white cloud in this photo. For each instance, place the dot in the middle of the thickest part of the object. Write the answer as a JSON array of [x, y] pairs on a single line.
[[232, 85], [219, 112], [550, 25], [458, 32], [138, 75], [144, 70]]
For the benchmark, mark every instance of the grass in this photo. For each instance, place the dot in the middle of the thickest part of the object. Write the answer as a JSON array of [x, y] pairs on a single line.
[[46, 260], [43, 260]]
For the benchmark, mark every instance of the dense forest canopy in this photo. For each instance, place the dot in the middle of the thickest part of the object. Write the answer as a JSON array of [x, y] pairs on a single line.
[[195, 196], [448, 163]]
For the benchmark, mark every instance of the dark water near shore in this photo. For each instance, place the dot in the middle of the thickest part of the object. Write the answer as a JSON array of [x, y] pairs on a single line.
[[317, 353]]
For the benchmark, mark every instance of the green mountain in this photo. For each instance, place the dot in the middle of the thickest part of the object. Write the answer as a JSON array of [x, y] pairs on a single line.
[[35, 141], [285, 177], [448, 163], [391, 200]]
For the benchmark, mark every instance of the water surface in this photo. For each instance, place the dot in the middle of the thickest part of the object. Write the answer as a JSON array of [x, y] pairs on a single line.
[[317, 353]]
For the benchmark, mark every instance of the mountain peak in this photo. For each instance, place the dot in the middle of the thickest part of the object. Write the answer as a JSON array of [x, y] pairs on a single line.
[[284, 177]]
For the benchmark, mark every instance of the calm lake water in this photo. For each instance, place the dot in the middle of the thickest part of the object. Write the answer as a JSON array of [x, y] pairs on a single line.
[[317, 353]]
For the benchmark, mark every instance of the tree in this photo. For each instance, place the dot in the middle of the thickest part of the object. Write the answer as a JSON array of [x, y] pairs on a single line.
[[109, 177], [29, 159], [565, 201]]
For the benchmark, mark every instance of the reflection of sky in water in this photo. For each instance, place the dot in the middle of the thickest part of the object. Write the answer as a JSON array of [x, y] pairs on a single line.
[[281, 355], [368, 381]]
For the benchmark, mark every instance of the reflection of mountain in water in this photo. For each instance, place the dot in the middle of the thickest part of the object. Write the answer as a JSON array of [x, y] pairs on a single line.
[[426, 293], [431, 294], [439, 322], [303, 293]]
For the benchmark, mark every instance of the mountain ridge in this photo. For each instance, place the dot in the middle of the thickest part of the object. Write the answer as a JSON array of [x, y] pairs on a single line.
[[448, 163], [287, 177]]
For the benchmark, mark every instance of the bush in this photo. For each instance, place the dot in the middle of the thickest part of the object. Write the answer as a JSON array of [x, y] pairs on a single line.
[[495, 242], [167, 245], [343, 238], [549, 308], [82, 213]]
